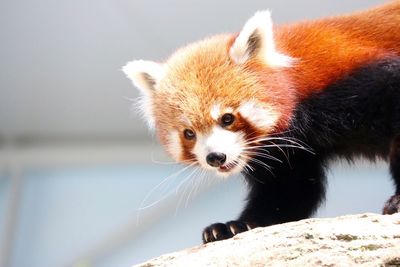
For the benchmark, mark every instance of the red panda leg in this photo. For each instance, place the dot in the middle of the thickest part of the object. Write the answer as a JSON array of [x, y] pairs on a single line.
[[293, 193], [393, 204]]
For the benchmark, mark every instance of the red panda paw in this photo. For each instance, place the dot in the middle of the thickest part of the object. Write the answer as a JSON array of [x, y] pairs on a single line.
[[392, 205], [221, 231]]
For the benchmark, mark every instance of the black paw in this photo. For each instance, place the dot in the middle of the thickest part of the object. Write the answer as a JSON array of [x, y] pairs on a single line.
[[392, 205], [221, 231]]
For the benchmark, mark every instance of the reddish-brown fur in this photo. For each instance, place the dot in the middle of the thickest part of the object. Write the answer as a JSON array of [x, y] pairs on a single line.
[[324, 50], [329, 48], [202, 75]]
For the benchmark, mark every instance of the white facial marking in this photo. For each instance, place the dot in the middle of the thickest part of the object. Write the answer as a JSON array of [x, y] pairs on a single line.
[[260, 116], [222, 141], [185, 120], [228, 110], [174, 146], [215, 111]]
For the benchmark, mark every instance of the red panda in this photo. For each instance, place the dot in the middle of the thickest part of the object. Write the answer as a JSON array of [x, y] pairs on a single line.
[[277, 103]]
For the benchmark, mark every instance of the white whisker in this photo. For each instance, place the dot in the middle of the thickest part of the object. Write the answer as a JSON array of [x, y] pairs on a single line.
[[284, 145], [261, 164], [168, 162], [245, 166], [148, 195], [184, 190], [263, 155], [196, 180]]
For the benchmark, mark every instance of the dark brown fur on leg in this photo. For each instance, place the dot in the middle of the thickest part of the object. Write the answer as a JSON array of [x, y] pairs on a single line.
[[393, 204]]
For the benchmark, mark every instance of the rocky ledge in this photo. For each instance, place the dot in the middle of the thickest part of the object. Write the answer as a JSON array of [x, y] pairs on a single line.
[[352, 240]]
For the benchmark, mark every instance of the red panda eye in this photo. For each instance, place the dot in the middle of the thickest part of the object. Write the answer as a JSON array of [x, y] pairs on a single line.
[[227, 119], [189, 134]]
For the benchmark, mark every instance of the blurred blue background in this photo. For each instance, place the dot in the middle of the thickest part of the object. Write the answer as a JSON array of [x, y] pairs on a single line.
[[82, 183]]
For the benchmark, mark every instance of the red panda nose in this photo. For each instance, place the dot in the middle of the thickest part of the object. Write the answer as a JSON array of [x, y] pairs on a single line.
[[216, 159]]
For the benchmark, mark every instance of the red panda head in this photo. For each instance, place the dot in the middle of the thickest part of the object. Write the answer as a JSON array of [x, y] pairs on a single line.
[[213, 100]]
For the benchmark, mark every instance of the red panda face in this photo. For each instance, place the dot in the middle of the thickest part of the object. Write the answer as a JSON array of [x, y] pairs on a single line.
[[213, 101], [228, 145]]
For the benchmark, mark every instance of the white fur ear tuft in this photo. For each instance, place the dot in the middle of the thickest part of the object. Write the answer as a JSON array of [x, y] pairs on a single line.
[[257, 40], [144, 74]]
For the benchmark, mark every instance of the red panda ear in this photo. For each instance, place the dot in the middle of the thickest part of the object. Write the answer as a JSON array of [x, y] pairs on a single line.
[[257, 40], [145, 75]]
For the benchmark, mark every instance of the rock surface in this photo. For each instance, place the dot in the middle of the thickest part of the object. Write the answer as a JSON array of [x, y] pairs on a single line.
[[361, 240]]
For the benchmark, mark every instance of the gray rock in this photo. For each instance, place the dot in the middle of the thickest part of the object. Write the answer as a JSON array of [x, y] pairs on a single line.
[[353, 240]]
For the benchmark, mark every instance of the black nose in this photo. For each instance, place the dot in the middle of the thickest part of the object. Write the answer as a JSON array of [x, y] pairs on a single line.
[[216, 159]]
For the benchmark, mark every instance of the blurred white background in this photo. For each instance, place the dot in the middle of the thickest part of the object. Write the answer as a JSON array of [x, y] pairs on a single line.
[[76, 164]]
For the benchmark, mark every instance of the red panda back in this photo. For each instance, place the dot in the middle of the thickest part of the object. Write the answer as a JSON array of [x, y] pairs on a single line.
[[330, 48]]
